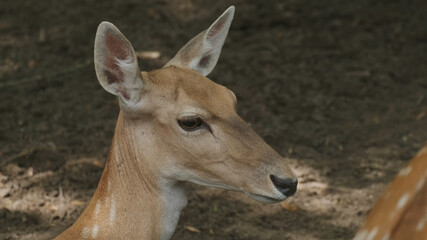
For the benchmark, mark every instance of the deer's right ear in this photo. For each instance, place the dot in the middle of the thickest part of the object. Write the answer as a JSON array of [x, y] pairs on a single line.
[[202, 52], [116, 64]]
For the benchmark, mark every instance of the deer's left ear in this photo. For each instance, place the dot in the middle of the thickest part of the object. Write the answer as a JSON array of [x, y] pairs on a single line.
[[202, 52], [116, 64]]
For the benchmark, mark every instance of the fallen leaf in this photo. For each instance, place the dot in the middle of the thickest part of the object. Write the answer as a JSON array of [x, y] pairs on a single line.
[[422, 115], [98, 163], [288, 206], [77, 202], [42, 35], [153, 13], [31, 64], [148, 54], [29, 172], [192, 229], [53, 207], [4, 191]]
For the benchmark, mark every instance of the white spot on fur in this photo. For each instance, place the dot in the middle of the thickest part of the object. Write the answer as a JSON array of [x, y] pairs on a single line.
[[422, 222], [386, 236], [95, 230], [112, 211], [85, 232], [372, 234], [97, 207], [404, 172], [116, 154], [402, 201], [420, 184], [361, 235], [420, 225]]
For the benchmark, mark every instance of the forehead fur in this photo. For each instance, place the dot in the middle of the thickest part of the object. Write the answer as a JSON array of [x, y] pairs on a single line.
[[196, 87]]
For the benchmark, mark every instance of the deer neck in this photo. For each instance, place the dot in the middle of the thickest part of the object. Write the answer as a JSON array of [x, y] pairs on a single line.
[[131, 201]]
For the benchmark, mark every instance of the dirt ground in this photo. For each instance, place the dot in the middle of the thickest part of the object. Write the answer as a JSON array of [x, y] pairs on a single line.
[[339, 87]]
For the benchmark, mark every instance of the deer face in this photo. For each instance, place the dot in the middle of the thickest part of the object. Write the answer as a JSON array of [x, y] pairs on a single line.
[[193, 123]]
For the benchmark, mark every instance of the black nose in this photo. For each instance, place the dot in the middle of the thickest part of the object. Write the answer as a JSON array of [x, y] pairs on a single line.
[[286, 186]]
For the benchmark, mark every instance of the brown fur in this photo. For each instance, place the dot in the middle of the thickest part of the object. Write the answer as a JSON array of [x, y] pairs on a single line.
[[151, 155], [241, 160]]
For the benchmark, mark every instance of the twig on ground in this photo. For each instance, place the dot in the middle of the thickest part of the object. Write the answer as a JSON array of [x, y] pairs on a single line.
[[47, 76]]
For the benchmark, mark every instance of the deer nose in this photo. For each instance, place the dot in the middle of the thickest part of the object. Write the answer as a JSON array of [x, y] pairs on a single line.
[[287, 186]]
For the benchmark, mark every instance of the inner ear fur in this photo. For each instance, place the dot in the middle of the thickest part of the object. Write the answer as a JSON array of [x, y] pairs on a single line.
[[116, 64], [202, 52]]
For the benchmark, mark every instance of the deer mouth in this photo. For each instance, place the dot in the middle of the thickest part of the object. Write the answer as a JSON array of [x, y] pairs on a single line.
[[265, 199]]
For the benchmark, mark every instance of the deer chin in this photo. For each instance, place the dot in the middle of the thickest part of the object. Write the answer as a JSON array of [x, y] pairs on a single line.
[[260, 197], [266, 198]]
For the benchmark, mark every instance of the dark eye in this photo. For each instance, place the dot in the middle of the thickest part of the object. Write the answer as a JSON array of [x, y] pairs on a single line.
[[190, 124]]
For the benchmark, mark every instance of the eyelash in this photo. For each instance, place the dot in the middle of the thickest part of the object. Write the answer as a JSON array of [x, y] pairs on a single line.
[[199, 125], [190, 124]]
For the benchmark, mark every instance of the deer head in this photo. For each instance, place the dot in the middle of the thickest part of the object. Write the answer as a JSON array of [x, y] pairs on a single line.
[[184, 127]]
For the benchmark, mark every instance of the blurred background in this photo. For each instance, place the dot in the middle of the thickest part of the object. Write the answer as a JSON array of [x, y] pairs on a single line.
[[338, 87]]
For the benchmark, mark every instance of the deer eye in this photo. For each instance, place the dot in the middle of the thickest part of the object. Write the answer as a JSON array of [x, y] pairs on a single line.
[[190, 123]]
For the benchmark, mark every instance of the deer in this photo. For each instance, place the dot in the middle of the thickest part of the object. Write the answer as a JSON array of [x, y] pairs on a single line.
[[401, 211], [175, 125]]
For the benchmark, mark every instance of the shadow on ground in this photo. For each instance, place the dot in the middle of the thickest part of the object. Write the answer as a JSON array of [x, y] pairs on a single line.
[[338, 87]]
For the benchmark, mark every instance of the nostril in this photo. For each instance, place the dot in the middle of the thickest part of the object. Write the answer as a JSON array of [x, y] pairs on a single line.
[[286, 186]]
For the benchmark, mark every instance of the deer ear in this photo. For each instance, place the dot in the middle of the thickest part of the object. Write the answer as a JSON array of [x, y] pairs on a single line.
[[202, 52], [116, 64]]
